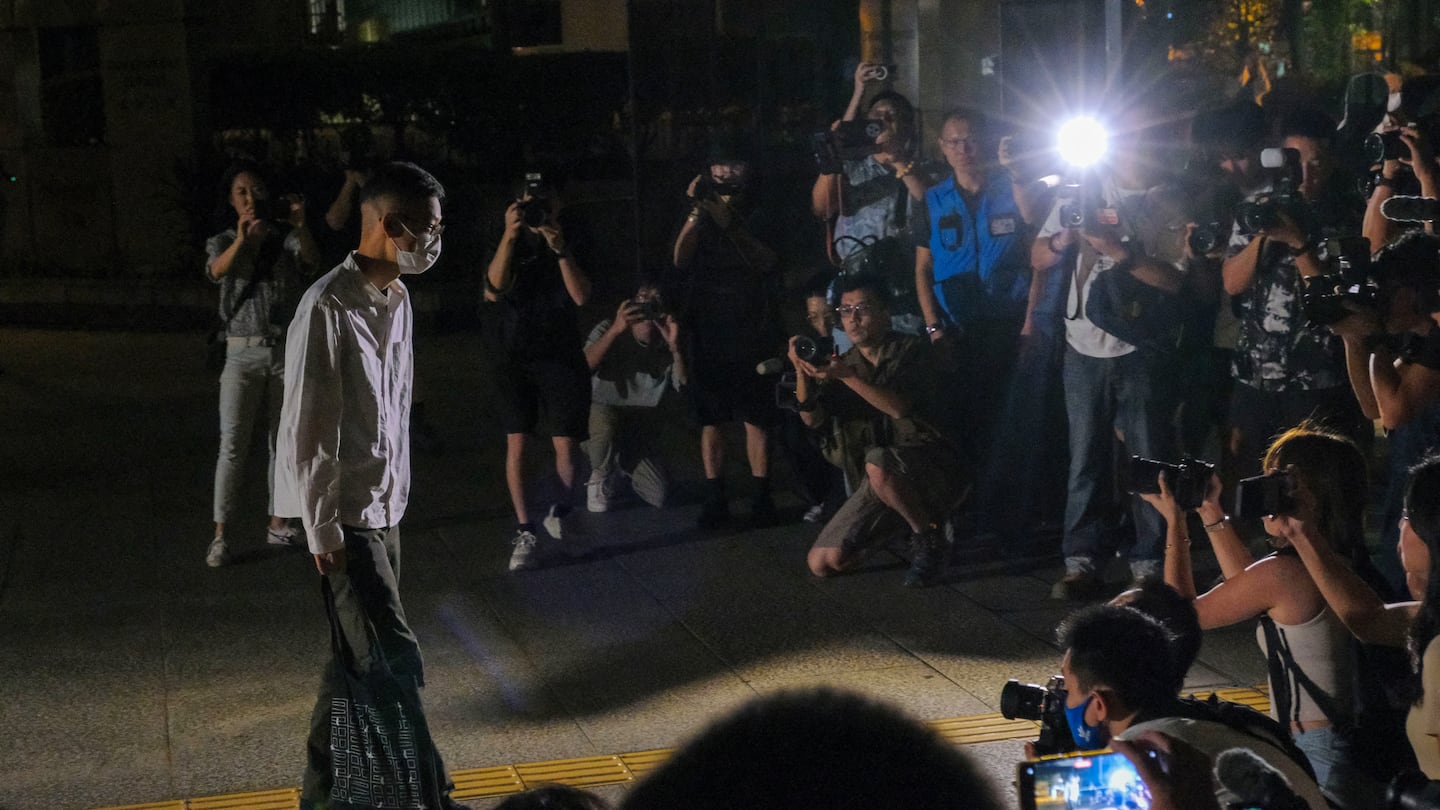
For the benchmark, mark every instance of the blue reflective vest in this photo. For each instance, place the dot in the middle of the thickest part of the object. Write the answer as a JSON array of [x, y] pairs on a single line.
[[982, 257]]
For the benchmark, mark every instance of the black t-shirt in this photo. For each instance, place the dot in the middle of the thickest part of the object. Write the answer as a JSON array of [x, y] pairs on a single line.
[[536, 319], [728, 301]]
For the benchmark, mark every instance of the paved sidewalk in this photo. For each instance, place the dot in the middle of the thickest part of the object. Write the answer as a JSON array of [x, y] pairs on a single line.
[[130, 672]]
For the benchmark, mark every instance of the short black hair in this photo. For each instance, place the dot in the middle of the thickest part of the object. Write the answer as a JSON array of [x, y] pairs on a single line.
[[818, 283], [1176, 613], [871, 283], [815, 748], [1308, 122], [1239, 124], [1124, 650], [904, 110], [237, 168], [650, 277], [1413, 262], [403, 181], [979, 122], [554, 797]]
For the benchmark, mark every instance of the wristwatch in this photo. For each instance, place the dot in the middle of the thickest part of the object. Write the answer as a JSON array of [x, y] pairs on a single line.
[[932, 328]]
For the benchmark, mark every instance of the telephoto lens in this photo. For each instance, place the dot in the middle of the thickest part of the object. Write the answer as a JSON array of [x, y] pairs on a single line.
[[815, 351]]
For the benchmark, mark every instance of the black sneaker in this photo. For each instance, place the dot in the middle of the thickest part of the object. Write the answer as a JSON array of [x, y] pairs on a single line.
[[928, 551], [762, 511]]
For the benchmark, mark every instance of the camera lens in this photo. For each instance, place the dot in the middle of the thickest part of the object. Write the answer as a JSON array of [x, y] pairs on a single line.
[[1022, 701], [806, 348]]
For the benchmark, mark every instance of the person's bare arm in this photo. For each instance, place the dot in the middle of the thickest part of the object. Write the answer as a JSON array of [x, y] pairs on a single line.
[[1357, 606], [1402, 390], [925, 290], [1238, 271], [501, 272], [1047, 251], [343, 207]]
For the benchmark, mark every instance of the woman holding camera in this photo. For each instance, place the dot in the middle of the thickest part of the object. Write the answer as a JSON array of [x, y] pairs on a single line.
[[1305, 643], [258, 264]]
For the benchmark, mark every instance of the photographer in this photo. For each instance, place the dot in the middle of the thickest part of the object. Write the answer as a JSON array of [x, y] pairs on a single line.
[[1119, 678], [1311, 662], [872, 200], [1287, 369], [634, 358], [1136, 227], [1392, 356], [726, 290], [531, 338], [877, 407], [972, 275], [260, 265]]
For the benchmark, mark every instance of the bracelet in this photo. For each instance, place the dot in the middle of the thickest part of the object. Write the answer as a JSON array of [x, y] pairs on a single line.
[[932, 328], [903, 169], [1210, 527]]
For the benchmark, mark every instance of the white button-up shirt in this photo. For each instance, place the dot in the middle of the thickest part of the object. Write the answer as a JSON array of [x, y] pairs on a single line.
[[343, 453]]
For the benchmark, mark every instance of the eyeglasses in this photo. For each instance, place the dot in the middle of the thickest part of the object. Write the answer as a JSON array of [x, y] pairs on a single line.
[[433, 230], [858, 311], [959, 143]]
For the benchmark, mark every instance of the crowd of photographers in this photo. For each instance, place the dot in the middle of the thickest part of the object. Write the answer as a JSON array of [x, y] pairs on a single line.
[[1209, 311]]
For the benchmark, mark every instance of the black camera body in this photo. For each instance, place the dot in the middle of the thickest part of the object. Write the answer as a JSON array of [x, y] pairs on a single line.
[[1327, 299], [1046, 706], [1265, 495], [1263, 213], [1188, 480], [1208, 237], [273, 209], [709, 189], [535, 211], [815, 351], [650, 309], [1084, 207], [1412, 791], [849, 140], [1381, 146]]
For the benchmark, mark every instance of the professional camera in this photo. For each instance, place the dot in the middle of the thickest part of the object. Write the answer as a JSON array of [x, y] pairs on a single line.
[[1380, 146], [1283, 166], [1412, 791], [815, 351], [273, 209], [709, 189], [785, 388], [1265, 495], [1324, 299], [535, 211], [1043, 704], [1084, 207], [849, 140], [1188, 481], [1208, 237]]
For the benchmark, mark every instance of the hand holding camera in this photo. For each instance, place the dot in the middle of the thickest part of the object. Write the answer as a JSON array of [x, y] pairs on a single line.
[[1174, 489], [811, 357], [706, 195], [867, 72]]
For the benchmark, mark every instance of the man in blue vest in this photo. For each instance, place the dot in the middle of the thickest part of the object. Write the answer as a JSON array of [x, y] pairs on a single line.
[[972, 276]]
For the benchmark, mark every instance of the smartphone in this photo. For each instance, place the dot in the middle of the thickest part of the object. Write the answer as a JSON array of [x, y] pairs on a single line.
[[1083, 781]]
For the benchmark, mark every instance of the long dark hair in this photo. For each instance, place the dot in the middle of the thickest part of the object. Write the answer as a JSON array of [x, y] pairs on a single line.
[[1422, 508]]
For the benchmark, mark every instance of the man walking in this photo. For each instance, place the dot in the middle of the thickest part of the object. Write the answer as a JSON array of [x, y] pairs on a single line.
[[344, 454]]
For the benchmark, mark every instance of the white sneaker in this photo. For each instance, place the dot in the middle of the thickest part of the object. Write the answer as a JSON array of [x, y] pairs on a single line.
[[597, 493], [217, 555], [812, 515], [284, 536], [527, 551], [554, 523]]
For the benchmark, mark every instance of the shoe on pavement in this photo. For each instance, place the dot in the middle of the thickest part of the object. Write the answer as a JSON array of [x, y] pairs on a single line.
[[526, 555], [762, 511], [217, 555], [284, 536], [715, 512], [555, 521], [598, 492], [928, 552], [1078, 585]]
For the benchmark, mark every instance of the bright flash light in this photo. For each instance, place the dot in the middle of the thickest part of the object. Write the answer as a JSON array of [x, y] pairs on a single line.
[[1082, 142]]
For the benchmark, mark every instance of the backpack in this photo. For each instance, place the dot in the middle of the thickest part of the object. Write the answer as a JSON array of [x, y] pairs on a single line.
[[1246, 721]]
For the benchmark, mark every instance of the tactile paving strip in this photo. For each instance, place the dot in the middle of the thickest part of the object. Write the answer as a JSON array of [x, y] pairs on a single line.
[[618, 769]]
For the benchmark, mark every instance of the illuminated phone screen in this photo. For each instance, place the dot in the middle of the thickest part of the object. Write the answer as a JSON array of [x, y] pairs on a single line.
[[1084, 782]]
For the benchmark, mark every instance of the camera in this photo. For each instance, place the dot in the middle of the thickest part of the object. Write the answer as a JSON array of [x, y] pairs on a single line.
[[1085, 208], [1283, 166], [273, 209], [1207, 238], [1412, 791], [1265, 495], [535, 211], [1043, 704], [1188, 481], [1380, 146], [879, 73], [708, 189], [849, 140], [649, 310], [815, 351], [1324, 298], [785, 388]]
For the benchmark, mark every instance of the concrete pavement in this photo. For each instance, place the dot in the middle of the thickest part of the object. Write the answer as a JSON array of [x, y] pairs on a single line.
[[130, 672]]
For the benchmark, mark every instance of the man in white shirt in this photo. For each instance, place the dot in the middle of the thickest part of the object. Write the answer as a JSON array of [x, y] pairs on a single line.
[[343, 462]]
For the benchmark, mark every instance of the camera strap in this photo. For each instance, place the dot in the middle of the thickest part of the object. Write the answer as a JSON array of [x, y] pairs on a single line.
[[268, 254]]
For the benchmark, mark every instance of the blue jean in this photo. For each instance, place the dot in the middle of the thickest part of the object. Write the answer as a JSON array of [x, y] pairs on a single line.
[[1102, 395], [251, 384], [1331, 756]]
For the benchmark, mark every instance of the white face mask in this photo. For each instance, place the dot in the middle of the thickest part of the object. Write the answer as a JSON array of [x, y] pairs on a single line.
[[422, 258]]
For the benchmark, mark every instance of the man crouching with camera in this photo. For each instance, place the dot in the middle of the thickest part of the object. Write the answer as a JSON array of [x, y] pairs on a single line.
[[875, 406]]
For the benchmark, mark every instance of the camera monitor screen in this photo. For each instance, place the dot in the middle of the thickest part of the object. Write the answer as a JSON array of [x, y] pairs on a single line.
[[1092, 781]]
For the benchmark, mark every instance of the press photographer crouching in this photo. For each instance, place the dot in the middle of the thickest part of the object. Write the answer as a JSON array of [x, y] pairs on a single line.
[[634, 359], [1388, 313], [878, 407], [1120, 681]]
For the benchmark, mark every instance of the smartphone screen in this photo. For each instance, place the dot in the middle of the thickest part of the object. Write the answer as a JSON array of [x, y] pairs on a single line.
[[1089, 781]]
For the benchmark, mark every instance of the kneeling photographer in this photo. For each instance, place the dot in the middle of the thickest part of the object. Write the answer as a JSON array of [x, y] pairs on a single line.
[[878, 407], [1388, 313], [1318, 679]]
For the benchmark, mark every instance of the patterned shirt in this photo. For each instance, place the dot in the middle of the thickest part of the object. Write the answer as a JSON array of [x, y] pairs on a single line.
[[870, 206], [275, 291]]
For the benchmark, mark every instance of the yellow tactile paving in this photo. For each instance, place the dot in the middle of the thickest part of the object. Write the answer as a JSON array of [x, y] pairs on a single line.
[[617, 769]]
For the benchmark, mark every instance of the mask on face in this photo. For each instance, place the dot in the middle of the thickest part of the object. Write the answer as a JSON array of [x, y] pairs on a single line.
[[1086, 736], [422, 258]]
